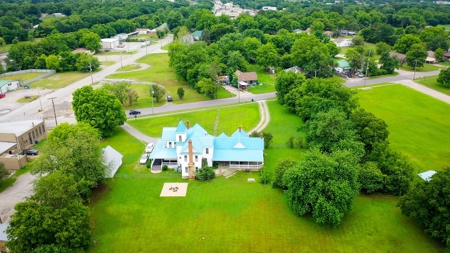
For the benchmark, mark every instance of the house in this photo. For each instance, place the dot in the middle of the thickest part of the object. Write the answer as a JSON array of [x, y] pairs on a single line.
[[343, 66], [223, 80], [110, 43], [247, 77], [294, 69], [308, 30], [7, 85], [447, 56], [187, 149], [198, 35], [58, 15], [342, 42], [143, 30], [3, 237], [269, 8], [297, 31], [344, 32], [427, 175], [16, 136], [328, 33], [430, 57], [401, 57], [112, 159], [81, 50], [121, 36], [351, 33]]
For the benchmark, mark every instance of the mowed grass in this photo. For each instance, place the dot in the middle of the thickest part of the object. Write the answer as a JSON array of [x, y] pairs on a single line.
[[161, 73], [130, 67], [59, 80], [107, 63], [233, 215], [229, 120], [446, 27], [144, 100], [5, 48], [426, 68], [266, 81], [27, 99], [419, 125], [22, 77], [431, 82]]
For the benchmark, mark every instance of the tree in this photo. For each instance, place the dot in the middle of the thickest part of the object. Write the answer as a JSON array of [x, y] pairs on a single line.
[[324, 185], [427, 203], [286, 82], [208, 87], [439, 55], [355, 59], [444, 77], [205, 173], [4, 173], [157, 92], [251, 46], [120, 90], [267, 56], [370, 177], [333, 49], [132, 96], [91, 41], [87, 63], [180, 92], [369, 128], [99, 109], [282, 167], [52, 62], [358, 41], [415, 58], [312, 56], [389, 63], [404, 43], [236, 61], [382, 47], [174, 19]]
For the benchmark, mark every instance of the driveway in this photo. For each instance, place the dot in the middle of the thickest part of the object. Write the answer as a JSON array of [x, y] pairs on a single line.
[[14, 194]]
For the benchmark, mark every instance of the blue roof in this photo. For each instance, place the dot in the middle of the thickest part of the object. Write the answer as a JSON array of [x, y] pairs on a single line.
[[238, 155], [197, 33], [238, 133], [181, 127], [168, 134], [163, 153], [222, 135], [197, 130], [233, 143]]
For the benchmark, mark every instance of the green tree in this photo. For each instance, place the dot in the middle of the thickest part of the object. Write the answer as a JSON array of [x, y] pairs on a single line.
[[251, 46], [87, 63], [286, 82], [208, 87], [415, 58], [91, 41], [427, 203], [236, 61], [157, 92], [120, 90], [205, 173], [281, 168], [132, 97], [444, 77], [358, 41], [267, 56], [389, 63], [4, 173], [404, 43], [52, 62], [99, 109], [370, 177], [323, 185], [180, 92], [369, 128], [382, 47], [174, 19], [439, 55], [333, 49], [311, 55], [2, 42], [355, 59]]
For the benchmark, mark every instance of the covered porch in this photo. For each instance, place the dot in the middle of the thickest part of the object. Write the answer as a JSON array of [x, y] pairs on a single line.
[[241, 165]]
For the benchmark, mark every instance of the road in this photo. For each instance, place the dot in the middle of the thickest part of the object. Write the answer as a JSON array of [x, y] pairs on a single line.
[[403, 75]]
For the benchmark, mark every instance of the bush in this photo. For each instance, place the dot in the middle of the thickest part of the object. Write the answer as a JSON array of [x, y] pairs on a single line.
[[165, 167], [206, 173], [264, 179], [290, 142], [4, 173], [281, 168], [370, 177], [149, 163], [299, 142]]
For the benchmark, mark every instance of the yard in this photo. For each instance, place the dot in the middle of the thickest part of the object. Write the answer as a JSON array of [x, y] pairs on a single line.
[[266, 81], [162, 74], [22, 77], [144, 100], [59, 80], [419, 125], [227, 119], [5, 48], [431, 82], [426, 68], [130, 67], [446, 27]]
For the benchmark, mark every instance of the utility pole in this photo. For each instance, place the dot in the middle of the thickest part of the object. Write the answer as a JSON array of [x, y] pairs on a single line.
[[415, 66], [121, 65], [146, 49], [39, 95], [90, 69], [54, 111], [367, 68], [239, 94], [151, 86]]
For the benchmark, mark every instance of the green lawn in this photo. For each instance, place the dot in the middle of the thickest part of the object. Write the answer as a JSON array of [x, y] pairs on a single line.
[[162, 74], [12, 179], [107, 63], [144, 100], [446, 27], [5, 48], [130, 67], [445, 63], [419, 125], [59, 80], [382, 76], [431, 82], [27, 99], [115, 53], [229, 119], [266, 81], [22, 77], [425, 68]]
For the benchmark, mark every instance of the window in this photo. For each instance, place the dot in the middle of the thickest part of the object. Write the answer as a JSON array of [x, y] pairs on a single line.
[[29, 137], [43, 128], [207, 150], [185, 170], [170, 144], [185, 158], [196, 169], [196, 158], [179, 138]]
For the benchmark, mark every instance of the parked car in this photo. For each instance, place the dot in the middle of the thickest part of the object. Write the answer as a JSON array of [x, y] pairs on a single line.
[[169, 98], [144, 159], [361, 75], [149, 147], [135, 112], [32, 152], [2, 95]]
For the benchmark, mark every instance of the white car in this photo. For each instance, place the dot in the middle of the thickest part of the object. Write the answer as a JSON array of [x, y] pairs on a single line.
[[149, 148], [144, 159]]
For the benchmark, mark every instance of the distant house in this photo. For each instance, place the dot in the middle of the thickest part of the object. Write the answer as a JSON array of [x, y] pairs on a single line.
[[294, 69], [7, 85], [351, 33], [223, 80], [344, 32], [343, 66], [110, 43], [247, 77], [112, 159], [329, 33], [308, 30], [3, 237], [143, 30], [430, 57], [427, 175], [297, 31], [269, 8], [401, 57], [81, 50], [447, 56], [342, 42], [198, 35], [58, 15]]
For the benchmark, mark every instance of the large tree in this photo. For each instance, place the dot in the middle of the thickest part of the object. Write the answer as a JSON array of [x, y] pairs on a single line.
[[119, 89], [355, 58], [267, 56], [286, 82], [369, 128], [444, 77], [389, 63], [157, 92], [311, 55], [416, 56], [99, 109], [404, 43], [428, 204], [323, 185]]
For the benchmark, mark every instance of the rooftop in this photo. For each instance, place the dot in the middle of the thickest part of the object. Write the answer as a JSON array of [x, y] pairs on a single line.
[[5, 146], [246, 76], [4, 82], [3, 236], [19, 127]]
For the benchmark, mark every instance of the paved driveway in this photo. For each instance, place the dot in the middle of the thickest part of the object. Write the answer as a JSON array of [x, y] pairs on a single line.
[[16, 193]]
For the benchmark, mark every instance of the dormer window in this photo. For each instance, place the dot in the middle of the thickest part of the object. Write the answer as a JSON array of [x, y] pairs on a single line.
[[207, 151], [179, 138], [185, 158], [196, 158]]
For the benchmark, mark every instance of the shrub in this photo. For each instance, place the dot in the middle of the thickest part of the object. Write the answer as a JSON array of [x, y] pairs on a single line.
[[299, 142], [264, 179], [165, 167], [205, 173], [149, 163], [281, 168], [290, 142], [4, 173]]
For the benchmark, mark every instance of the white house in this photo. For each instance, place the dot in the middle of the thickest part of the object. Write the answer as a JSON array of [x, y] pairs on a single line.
[[7, 85], [182, 146], [342, 42], [110, 43], [143, 30], [269, 8], [112, 159]]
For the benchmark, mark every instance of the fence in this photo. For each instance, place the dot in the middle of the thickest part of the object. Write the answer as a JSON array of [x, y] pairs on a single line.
[[47, 72]]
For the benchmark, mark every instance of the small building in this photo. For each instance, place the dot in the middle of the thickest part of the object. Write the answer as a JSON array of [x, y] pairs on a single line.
[[223, 80], [446, 56], [81, 50], [328, 33], [7, 85], [198, 35], [342, 42], [343, 32], [271, 70], [295, 69], [121, 36], [3, 237], [351, 33], [401, 57], [110, 43], [343, 66], [431, 58], [58, 15], [269, 8], [143, 30], [297, 31], [111, 159], [427, 175], [247, 77]]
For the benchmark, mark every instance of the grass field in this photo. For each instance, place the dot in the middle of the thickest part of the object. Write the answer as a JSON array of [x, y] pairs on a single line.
[[162, 74], [144, 100], [107, 63], [130, 67], [59, 80], [267, 80], [431, 82], [446, 27], [5, 48], [229, 119], [419, 125], [22, 77], [425, 68], [445, 63]]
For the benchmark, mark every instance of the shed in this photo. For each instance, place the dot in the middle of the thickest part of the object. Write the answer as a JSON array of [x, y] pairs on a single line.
[[430, 57], [81, 50], [143, 30], [110, 43], [343, 66], [198, 35], [427, 175], [7, 85], [112, 159]]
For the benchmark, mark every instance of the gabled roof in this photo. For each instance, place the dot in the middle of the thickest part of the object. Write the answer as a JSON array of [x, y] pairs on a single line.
[[241, 134], [343, 64], [400, 56], [4, 82], [112, 159], [181, 128], [239, 149], [168, 134], [430, 54], [222, 135], [197, 34], [163, 153], [427, 175], [246, 76]]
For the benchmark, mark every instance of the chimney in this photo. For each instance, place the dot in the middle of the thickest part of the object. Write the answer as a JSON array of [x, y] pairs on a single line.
[[240, 129], [32, 123], [188, 125], [191, 165], [262, 136]]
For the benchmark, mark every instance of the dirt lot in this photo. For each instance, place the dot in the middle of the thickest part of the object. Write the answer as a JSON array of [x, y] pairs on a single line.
[[9, 102]]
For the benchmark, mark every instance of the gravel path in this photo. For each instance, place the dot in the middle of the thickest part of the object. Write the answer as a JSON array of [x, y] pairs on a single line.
[[265, 117], [138, 134]]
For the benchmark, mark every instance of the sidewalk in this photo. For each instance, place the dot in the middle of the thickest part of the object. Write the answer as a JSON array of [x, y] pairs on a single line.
[[425, 90]]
